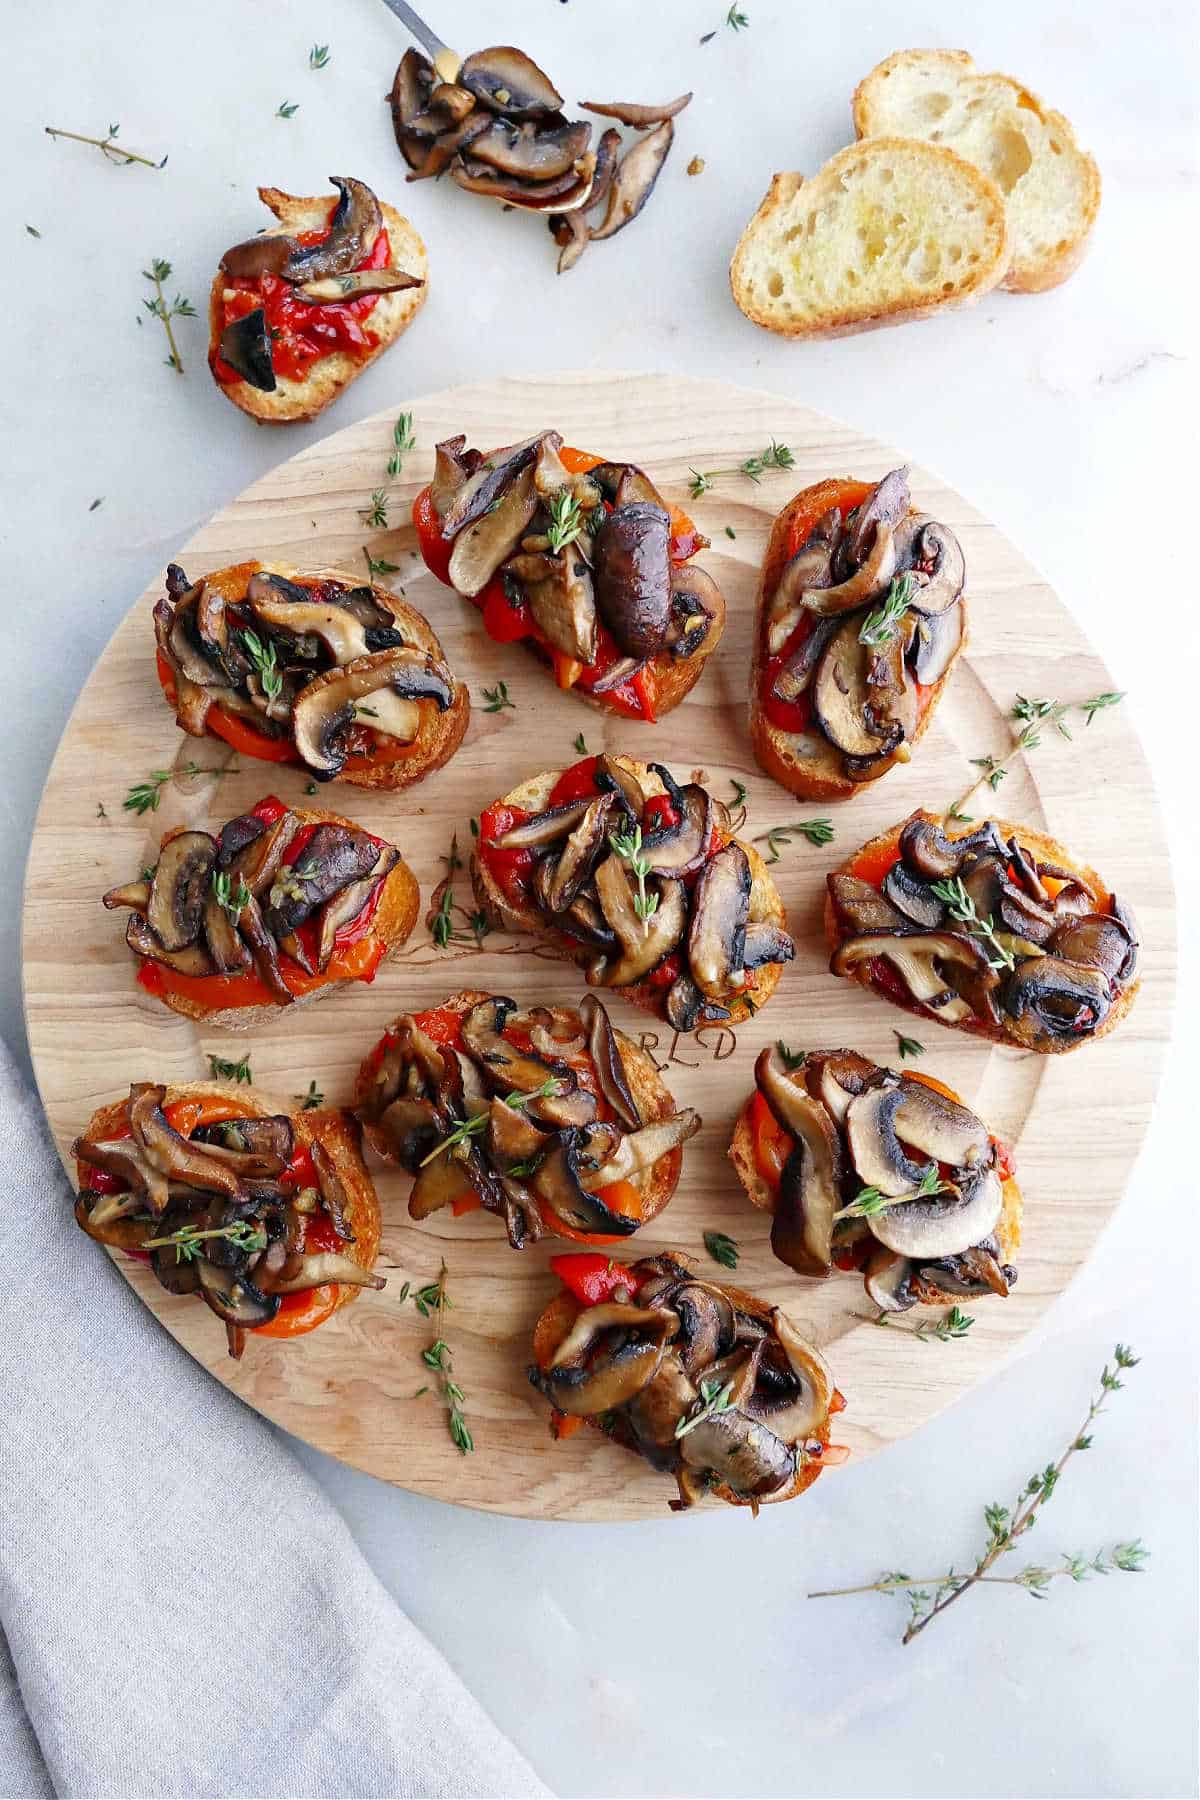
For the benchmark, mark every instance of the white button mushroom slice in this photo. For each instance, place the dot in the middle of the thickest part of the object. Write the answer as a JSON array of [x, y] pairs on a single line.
[[640, 1150], [644, 942], [914, 959], [943, 1226]]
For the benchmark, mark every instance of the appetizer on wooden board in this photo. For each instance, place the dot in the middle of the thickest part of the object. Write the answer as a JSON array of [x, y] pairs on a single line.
[[864, 1168], [282, 905], [706, 1382], [545, 1116], [861, 618], [345, 680], [298, 312], [268, 1217], [639, 881], [579, 559], [996, 931]]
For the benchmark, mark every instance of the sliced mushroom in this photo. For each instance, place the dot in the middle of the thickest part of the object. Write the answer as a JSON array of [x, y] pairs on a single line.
[[945, 1129], [766, 943], [258, 256], [846, 698], [706, 1325], [246, 347], [888, 1279], [629, 112], [1048, 998], [344, 907], [928, 852], [863, 908], [937, 562], [411, 86], [559, 592], [793, 1399], [229, 954], [1098, 942], [836, 1079], [809, 569], [558, 1184], [134, 894], [915, 959], [883, 509], [233, 1296], [390, 682], [334, 857], [329, 1265], [538, 156], [641, 1149], [580, 854], [510, 83], [681, 849], [337, 289], [697, 610], [486, 482], [871, 1134], [632, 574], [343, 635], [745, 1454], [260, 858], [610, 773], [644, 942], [634, 179], [935, 644], [191, 960], [545, 827], [802, 1230], [606, 1060], [450, 472], [356, 223], [720, 914], [867, 581], [914, 898], [686, 1007], [481, 547], [943, 1226], [512, 1138], [587, 1378]]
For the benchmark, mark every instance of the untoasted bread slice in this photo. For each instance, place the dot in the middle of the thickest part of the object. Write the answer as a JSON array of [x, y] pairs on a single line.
[[293, 400], [889, 230], [1051, 187]]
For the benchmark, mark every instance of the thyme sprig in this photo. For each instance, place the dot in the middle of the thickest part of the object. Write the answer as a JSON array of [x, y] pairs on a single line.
[[233, 901], [108, 147], [566, 520], [869, 1202], [433, 1301], [319, 57], [144, 796], [737, 20], [775, 456], [816, 831], [908, 1046], [379, 565], [236, 1072], [179, 308], [792, 1059], [470, 1128], [714, 1398], [287, 109], [581, 744], [375, 515], [628, 846], [265, 659], [962, 908], [403, 440], [1034, 715], [928, 1596], [954, 1324], [883, 621], [445, 909], [188, 1239], [497, 698], [312, 1100], [722, 1249]]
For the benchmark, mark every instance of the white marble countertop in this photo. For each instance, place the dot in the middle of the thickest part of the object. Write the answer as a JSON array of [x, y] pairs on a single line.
[[681, 1657]]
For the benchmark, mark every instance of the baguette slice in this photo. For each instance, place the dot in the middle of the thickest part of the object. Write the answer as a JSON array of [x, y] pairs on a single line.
[[742, 1155], [292, 400], [395, 916], [806, 763], [766, 907], [651, 1094], [1051, 187], [889, 230]]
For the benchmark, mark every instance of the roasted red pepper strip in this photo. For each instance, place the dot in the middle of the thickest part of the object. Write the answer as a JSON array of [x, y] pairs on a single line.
[[594, 1279]]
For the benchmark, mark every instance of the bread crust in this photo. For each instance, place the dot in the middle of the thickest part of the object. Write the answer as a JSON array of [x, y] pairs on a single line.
[[1045, 848], [1034, 275], [293, 402], [336, 1130], [818, 777], [766, 906], [846, 323], [441, 733], [654, 1102], [745, 1166], [395, 917]]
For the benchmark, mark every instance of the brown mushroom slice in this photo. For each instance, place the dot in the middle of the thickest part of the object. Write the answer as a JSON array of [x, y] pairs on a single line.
[[945, 1129], [686, 1007], [246, 346], [570, 228], [606, 1060], [488, 481], [356, 223], [766, 943], [558, 1184], [540, 156], [697, 609], [610, 773], [809, 569], [334, 856], [450, 472], [235, 1298], [810, 1191], [935, 643], [559, 592], [630, 112], [258, 256], [706, 1326], [938, 565], [439, 1183], [586, 1378], [512, 1138], [644, 942], [181, 1161], [382, 691], [510, 83], [914, 898], [481, 547], [258, 861], [888, 1280], [188, 647], [882, 510], [344, 907], [838, 1078], [634, 179], [863, 908], [229, 954], [681, 849], [913, 958], [563, 194], [942, 1226], [343, 635], [865, 584], [545, 827], [745, 1454], [192, 702], [503, 1064], [411, 86], [975, 1271], [192, 960], [803, 1404], [1097, 941], [329, 1265], [928, 852], [846, 697], [1047, 998], [134, 894], [337, 289], [265, 953], [641, 1149], [720, 915], [580, 854], [631, 565], [124, 1158]]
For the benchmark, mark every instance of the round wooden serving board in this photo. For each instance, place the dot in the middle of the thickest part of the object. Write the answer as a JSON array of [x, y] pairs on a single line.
[[1076, 1122]]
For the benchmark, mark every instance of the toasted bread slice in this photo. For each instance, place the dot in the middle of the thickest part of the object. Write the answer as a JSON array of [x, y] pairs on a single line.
[[336, 1130], [674, 677], [1044, 848], [890, 229], [395, 916], [650, 1093], [805, 762], [741, 1154], [766, 907], [293, 401], [1051, 187]]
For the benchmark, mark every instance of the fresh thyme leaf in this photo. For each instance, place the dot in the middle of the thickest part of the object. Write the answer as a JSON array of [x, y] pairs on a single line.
[[144, 796], [883, 621], [403, 440], [722, 1249], [581, 745], [1033, 713], [96, 503], [375, 515], [312, 787], [908, 1046], [179, 308], [378, 565], [311, 1101], [231, 1071], [1098, 703], [775, 456], [470, 1128], [730, 532], [628, 846], [432, 1301], [232, 901], [713, 1399], [954, 1324], [737, 21], [817, 832], [287, 109], [869, 1202], [318, 56], [739, 792], [108, 148], [498, 699], [566, 520], [961, 907], [188, 1239], [33, 231], [265, 660], [792, 1059]]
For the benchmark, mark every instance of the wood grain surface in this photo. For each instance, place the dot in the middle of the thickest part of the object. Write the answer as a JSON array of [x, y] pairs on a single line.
[[1075, 1122]]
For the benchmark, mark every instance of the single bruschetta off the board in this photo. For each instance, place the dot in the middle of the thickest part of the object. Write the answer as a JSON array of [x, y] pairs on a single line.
[[861, 618], [268, 1217], [546, 1116], [579, 559]]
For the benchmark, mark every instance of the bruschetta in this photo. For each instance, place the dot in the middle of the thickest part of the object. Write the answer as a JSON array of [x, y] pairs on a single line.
[[639, 881], [268, 1217], [344, 680], [706, 1382], [996, 931], [298, 312], [281, 906], [864, 1168], [545, 1116], [579, 559], [861, 618]]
